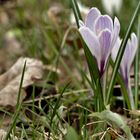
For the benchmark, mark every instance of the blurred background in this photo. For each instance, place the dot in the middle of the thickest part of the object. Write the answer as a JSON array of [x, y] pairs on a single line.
[[36, 28]]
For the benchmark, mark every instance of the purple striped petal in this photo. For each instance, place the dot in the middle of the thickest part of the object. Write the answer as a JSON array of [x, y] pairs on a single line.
[[132, 45], [116, 31], [103, 22], [105, 46], [130, 52], [127, 53], [91, 17], [91, 41]]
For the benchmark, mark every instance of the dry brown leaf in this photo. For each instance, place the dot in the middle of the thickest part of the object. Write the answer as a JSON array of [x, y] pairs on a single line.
[[134, 112], [3, 134], [10, 80]]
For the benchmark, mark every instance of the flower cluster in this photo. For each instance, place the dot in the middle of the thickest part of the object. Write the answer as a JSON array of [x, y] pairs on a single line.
[[101, 35]]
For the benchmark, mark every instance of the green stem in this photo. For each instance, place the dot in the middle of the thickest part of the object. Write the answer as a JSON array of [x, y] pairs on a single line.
[[124, 91], [130, 95], [136, 68], [99, 96], [103, 85]]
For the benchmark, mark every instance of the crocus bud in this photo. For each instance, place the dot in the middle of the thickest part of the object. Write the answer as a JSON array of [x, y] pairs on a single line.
[[128, 56]]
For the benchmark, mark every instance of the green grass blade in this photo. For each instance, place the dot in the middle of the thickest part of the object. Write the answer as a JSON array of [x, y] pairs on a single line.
[[75, 11], [20, 86], [124, 92], [77, 8], [136, 68], [18, 105], [57, 105], [120, 54]]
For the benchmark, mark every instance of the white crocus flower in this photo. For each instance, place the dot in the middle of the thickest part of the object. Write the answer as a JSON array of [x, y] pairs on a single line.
[[112, 6]]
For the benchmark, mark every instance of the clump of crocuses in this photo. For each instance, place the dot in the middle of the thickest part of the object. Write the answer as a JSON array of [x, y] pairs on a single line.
[[126, 62], [100, 34]]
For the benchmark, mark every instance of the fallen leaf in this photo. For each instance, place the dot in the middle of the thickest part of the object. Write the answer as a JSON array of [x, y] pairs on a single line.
[[3, 134], [134, 112], [10, 80]]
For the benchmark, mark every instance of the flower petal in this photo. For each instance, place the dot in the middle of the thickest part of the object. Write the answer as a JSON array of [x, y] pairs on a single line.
[[91, 41], [81, 23], [105, 45], [91, 17], [116, 49], [133, 45], [103, 22], [134, 40], [116, 31]]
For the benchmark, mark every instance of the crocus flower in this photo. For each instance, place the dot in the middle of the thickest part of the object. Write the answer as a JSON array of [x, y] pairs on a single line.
[[128, 56], [126, 62], [100, 34], [112, 6]]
